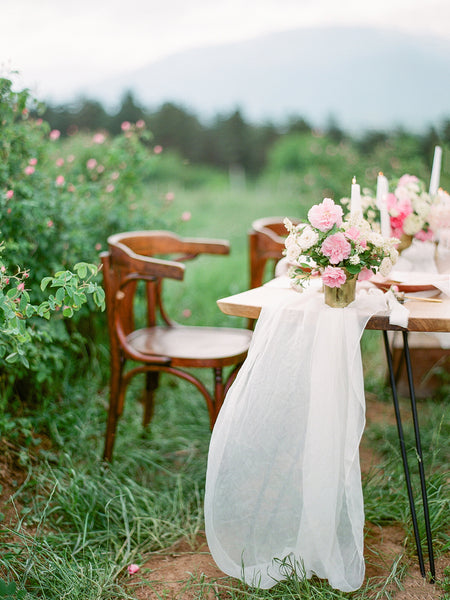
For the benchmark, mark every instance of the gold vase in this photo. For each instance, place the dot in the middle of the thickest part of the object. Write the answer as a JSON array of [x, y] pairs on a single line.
[[339, 297], [405, 242]]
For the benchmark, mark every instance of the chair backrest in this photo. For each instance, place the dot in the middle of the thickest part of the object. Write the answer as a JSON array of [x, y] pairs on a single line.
[[266, 243], [149, 256]]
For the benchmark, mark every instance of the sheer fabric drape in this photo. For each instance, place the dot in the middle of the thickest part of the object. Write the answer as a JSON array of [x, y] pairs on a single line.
[[283, 486]]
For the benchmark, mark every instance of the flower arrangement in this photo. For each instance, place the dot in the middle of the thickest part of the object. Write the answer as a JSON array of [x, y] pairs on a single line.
[[439, 216], [409, 208], [338, 250]]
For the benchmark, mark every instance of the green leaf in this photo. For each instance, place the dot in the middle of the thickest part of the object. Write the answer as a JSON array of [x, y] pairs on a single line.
[[81, 270], [45, 282], [353, 269]]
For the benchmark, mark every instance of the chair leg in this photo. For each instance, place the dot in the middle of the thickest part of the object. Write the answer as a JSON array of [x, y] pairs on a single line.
[[218, 394], [151, 384], [113, 413]]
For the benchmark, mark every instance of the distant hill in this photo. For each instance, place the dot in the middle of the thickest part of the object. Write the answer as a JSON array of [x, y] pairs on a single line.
[[364, 78]]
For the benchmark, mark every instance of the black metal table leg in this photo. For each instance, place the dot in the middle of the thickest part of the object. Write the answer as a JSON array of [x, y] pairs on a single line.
[[423, 486], [404, 455]]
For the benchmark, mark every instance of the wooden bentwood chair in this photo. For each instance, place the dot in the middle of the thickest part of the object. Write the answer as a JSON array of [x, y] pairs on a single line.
[[162, 345], [266, 245]]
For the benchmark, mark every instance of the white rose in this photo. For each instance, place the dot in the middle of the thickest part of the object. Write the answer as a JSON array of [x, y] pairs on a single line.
[[354, 259], [385, 267], [308, 238], [412, 224]]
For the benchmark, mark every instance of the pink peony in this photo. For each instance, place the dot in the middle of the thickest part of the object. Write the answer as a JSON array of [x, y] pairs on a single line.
[[407, 179], [333, 277], [323, 216], [352, 233], [424, 236], [336, 247], [132, 569], [364, 274]]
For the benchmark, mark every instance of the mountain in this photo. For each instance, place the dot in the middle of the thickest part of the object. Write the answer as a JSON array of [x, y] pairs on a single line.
[[364, 78]]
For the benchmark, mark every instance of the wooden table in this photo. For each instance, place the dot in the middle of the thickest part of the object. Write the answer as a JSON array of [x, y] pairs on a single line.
[[425, 316]]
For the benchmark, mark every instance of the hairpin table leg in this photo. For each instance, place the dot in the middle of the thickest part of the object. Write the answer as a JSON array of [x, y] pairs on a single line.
[[404, 455], [423, 487]]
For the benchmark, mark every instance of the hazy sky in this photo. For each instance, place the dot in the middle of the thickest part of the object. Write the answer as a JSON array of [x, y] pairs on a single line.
[[56, 44]]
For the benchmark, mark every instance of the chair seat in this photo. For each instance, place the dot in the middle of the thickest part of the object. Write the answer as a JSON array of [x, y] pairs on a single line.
[[193, 346]]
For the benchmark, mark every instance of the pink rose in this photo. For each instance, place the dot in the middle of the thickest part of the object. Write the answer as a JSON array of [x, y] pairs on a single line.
[[323, 216], [54, 134], [333, 277], [59, 181], [336, 247]]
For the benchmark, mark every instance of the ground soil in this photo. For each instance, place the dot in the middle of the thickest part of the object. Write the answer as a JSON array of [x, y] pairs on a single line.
[[175, 574]]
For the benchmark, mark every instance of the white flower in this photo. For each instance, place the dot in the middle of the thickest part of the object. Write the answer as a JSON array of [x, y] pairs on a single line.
[[393, 255], [354, 259], [412, 224], [376, 239], [385, 267], [308, 238], [293, 250]]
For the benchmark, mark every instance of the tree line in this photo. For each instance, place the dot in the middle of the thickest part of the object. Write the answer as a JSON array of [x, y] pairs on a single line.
[[229, 140]]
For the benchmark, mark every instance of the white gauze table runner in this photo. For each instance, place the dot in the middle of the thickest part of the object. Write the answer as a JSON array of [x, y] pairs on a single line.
[[283, 477]]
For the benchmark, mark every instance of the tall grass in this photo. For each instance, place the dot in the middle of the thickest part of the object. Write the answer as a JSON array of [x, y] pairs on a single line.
[[79, 523]]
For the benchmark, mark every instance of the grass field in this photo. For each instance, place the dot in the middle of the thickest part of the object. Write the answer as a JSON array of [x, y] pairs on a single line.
[[71, 525]]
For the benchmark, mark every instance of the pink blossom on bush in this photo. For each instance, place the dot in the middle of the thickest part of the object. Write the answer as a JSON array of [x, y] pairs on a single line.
[[170, 196], [100, 169], [39, 121], [158, 149], [21, 287], [98, 247], [115, 175], [33, 162], [9, 194], [336, 247], [29, 170], [333, 276], [59, 180], [70, 187], [132, 569], [186, 216], [140, 124], [186, 313], [126, 125], [54, 134], [91, 164], [59, 162], [70, 158], [326, 214], [49, 223], [109, 188], [99, 138]]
